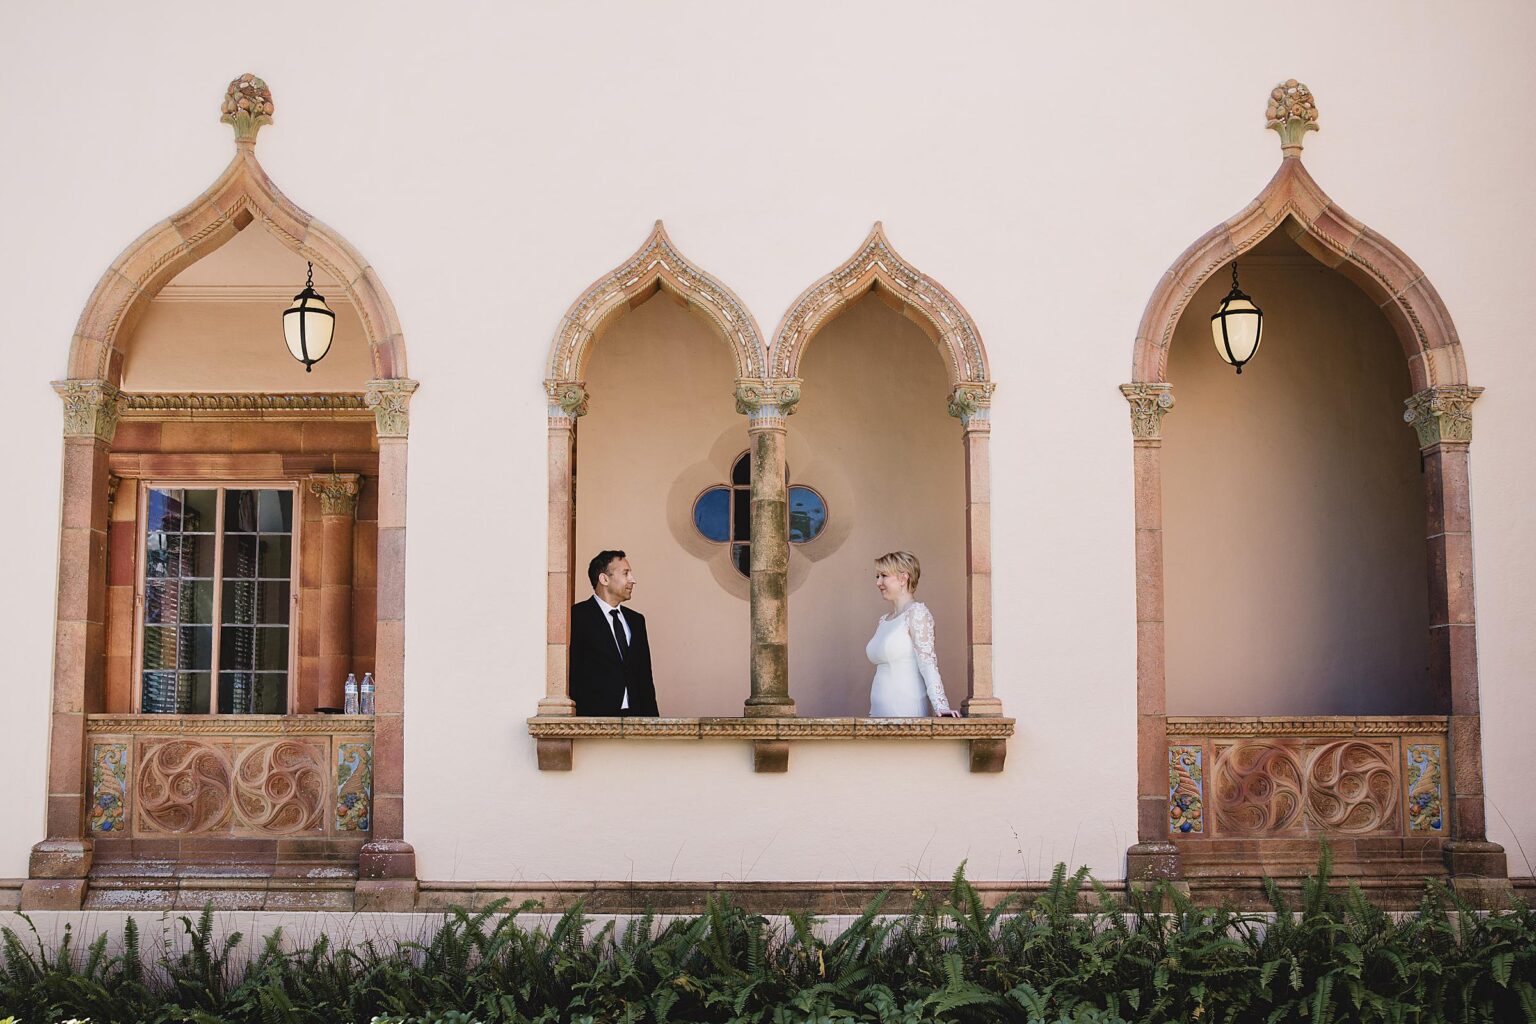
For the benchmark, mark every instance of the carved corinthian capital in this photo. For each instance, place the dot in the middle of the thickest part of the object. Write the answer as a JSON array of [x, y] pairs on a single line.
[[91, 408], [1442, 414], [767, 399], [1291, 113], [567, 399], [338, 492], [1149, 402], [971, 403], [390, 401]]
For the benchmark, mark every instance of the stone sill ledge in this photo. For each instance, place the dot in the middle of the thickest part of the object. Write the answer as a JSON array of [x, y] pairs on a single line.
[[229, 725], [1308, 725], [555, 736]]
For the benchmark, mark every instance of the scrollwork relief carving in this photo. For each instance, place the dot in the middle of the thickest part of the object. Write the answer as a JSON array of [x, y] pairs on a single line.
[[182, 786], [1352, 787], [281, 787], [1258, 788], [877, 262], [1276, 787]]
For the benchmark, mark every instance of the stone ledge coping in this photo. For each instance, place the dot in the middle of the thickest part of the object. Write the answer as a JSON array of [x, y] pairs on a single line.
[[1308, 725], [770, 728], [229, 725]]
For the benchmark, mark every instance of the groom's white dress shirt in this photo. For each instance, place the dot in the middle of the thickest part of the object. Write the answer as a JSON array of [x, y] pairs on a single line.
[[608, 610]]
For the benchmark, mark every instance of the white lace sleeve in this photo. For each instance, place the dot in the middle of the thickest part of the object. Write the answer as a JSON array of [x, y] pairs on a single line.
[[920, 627]]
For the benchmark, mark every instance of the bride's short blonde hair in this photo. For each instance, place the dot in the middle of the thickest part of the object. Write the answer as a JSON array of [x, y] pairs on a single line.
[[901, 562]]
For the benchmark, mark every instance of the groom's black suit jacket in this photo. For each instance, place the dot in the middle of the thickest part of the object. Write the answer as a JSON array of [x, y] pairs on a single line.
[[599, 675]]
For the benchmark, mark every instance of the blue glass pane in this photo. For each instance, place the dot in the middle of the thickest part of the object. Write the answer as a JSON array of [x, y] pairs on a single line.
[[807, 514], [712, 514]]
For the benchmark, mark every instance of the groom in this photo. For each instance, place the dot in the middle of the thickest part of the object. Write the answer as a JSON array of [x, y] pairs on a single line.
[[610, 652]]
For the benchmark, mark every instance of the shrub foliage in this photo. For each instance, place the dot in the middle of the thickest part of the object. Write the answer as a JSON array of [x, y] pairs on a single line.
[[1075, 953]]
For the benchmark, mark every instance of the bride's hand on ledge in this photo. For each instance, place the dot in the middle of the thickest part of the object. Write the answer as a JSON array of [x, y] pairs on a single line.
[[946, 714]]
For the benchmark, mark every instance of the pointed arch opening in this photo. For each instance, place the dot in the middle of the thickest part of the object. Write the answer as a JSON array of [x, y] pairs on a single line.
[[661, 427], [229, 553], [1203, 777]]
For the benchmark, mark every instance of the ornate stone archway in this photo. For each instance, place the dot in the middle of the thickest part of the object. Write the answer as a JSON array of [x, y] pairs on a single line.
[[877, 267], [93, 404], [656, 266], [1439, 411]]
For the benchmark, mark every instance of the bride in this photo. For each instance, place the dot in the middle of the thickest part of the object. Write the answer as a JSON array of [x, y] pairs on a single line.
[[907, 679]]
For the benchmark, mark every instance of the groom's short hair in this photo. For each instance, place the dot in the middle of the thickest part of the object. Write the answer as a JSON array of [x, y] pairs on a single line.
[[600, 564]]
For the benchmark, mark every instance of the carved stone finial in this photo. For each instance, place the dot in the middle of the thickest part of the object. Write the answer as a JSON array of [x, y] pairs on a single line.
[[247, 106], [390, 401], [1149, 403], [91, 408], [1291, 112], [767, 399], [1442, 414], [338, 492], [971, 403], [567, 399]]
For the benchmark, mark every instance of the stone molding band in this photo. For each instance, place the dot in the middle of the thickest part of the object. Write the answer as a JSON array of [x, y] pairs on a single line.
[[241, 725], [227, 402], [771, 728], [1332, 725]]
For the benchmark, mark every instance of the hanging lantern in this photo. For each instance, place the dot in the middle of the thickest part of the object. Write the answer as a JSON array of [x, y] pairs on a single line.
[[1236, 326], [309, 324]]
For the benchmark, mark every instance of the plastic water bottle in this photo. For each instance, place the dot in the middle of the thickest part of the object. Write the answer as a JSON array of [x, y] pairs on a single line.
[[349, 695], [366, 694]]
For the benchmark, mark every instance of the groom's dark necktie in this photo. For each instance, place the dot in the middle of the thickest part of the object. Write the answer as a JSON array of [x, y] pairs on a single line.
[[618, 635]]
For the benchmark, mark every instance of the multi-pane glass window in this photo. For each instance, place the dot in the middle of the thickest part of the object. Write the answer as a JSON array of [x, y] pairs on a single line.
[[217, 599], [724, 514]]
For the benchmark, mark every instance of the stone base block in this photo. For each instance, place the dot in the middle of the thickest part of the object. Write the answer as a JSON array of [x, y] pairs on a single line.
[[1484, 893], [61, 858], [53, 893], [555, 755], [1465, 859], [386, 860], [780, 709], [1152, 862], [1147, 888], [770, 756], [988, 755], [390, 895]]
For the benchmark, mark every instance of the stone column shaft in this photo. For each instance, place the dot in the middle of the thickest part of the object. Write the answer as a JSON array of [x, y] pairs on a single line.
[[338, 494], [766, 405], [980, 701], [567, 402]]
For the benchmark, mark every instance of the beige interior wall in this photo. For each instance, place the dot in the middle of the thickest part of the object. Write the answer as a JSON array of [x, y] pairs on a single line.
[[1293, 507], [873, 435], [217, 326], [662, 427]]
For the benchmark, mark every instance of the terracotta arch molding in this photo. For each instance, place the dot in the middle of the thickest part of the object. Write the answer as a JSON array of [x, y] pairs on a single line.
[[1440, 412], [1295, 202], [657, 265], [878, 267], [243, 194]]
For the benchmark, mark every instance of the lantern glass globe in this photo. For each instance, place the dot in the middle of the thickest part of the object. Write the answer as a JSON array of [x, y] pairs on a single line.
[[308, 326]]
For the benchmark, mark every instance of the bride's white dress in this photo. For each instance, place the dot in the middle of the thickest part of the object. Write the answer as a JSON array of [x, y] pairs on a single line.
[[907, 679]]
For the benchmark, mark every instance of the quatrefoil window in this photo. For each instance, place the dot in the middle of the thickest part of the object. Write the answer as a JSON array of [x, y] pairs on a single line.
[[723, 514]]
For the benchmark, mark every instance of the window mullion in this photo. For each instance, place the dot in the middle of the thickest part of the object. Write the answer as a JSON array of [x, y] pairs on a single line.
[[218, 602]]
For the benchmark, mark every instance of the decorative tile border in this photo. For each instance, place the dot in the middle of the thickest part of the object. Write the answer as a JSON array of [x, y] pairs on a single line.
[[354, 786], [1186, 789], [1424, 782], [109, 788]]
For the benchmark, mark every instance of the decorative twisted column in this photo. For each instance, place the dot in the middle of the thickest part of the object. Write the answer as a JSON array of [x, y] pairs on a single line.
[[387, 864], [1442, 416], [1154, 856], [766, 404], [338, 515], [59, 864]]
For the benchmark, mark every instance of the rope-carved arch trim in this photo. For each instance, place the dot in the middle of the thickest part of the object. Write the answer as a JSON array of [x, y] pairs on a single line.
[[657, 264], [877, 267], [243, 194], [1294, 201]]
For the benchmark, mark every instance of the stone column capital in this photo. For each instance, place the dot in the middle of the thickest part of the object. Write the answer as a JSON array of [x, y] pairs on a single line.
[[338, 492], [91, 408], [766, 402], [1149, 403], [970, 402], [567, 399], [1442, 414], [390, 401]]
